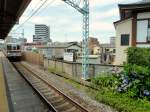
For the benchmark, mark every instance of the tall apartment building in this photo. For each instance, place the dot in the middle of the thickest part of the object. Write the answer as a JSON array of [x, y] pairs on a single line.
[[42, 33]]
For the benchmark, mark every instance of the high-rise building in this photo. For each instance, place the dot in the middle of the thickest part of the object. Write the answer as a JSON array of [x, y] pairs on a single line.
[[42, 33]]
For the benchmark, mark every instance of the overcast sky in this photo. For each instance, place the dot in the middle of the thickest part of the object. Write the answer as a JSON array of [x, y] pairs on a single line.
[[66, 23]]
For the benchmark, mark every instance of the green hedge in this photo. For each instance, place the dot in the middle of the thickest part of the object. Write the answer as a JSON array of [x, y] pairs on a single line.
[[138, 56]]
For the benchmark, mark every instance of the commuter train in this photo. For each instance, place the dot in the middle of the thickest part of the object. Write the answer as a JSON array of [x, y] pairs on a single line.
[[13, 51]]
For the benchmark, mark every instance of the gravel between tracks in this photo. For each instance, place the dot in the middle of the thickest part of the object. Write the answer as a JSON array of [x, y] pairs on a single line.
[[79, 94]]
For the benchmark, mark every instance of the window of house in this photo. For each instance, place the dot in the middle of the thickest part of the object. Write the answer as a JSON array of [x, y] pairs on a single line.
[[125, 39], [148, 32], [142, 32]]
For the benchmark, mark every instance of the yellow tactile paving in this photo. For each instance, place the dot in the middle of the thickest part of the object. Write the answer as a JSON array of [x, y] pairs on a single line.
[[3, 97]]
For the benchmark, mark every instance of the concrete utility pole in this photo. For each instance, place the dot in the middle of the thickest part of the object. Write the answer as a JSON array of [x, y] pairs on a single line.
[[85, 52]]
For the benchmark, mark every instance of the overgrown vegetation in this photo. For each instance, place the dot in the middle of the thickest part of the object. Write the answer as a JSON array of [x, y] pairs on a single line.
[[120, 101], [129, 90], [129, 100], [138, 56], [55, 70]]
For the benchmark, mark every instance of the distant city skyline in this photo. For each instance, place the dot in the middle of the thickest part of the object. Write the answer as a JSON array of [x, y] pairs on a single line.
[[66, 23]]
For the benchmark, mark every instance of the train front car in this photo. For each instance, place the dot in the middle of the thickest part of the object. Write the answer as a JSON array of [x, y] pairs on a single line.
[[13, 51]]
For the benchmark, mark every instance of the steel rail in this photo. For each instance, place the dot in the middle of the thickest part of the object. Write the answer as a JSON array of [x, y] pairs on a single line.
[[51, 106], [74, 103]]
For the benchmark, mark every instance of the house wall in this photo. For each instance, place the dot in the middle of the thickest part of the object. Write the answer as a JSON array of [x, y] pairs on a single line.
[[109, 50], [58, 52], [96, 50], [124, 27], [47, 52], [75, 47]]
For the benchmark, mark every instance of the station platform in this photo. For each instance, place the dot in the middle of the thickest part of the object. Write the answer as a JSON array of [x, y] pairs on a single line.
[[3, 96], [16, 95]]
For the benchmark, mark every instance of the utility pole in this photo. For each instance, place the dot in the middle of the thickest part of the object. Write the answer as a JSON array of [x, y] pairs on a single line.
[[85, 51]]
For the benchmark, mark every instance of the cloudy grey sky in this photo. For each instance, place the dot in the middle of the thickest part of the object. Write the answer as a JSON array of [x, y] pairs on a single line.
[[66, 23]]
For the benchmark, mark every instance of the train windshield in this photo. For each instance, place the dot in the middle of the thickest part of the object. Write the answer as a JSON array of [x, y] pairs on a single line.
[[13, 47], [8, 47]]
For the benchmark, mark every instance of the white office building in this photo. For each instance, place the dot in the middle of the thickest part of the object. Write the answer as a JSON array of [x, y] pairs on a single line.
[[42, 33]]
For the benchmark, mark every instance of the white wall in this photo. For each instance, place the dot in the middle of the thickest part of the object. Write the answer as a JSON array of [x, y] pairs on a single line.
[[124, 27]]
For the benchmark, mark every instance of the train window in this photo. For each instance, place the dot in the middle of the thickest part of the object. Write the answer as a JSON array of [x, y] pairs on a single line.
[[8, 47], [18, 47], [14, 47]]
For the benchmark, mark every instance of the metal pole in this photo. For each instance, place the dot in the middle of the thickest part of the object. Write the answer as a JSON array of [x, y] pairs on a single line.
[[85, 50]]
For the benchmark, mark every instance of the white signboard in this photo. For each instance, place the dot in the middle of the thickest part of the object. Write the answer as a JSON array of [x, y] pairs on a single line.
[[68, 56]]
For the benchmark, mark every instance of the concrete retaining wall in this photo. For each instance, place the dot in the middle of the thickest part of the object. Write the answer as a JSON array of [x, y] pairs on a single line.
[[71, 68], [75, 69]]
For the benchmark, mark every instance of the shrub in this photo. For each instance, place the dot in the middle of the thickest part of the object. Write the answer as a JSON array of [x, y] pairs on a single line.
[[104, 80], [134, 81], [138, 56], [137, 83]]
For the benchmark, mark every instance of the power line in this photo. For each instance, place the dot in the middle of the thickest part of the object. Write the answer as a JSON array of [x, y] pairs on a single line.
[[46, 6], [33, 14], [32, 9]]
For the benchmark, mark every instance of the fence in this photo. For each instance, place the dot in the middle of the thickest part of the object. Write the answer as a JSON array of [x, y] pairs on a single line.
[[72, 69], [33, 57], [75, 69]]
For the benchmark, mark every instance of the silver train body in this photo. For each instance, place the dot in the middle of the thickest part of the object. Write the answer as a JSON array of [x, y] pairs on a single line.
[[13, 51]]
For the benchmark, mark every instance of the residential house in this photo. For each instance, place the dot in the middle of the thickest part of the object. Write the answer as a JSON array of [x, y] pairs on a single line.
[[96, 50], [108, 53], [133, 28], [31, 46], [108, 48], [93, 44], [56, 50]]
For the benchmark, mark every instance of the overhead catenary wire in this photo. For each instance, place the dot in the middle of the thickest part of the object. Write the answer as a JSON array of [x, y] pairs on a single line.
[[36, 5], [34, 13], [45, 7]]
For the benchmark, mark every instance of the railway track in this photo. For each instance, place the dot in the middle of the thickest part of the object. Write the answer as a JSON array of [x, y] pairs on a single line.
[[54, 97]]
